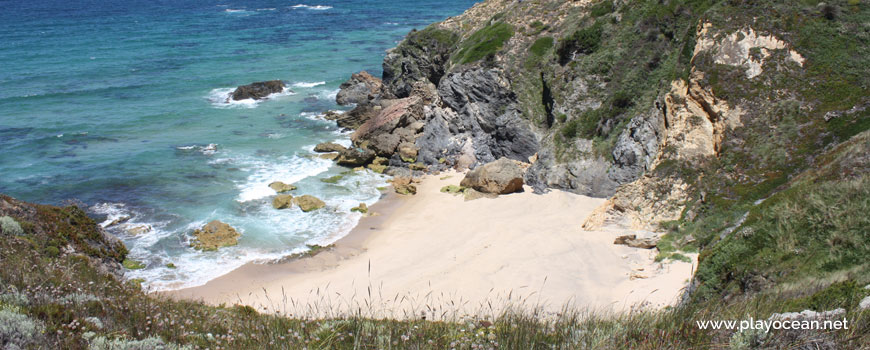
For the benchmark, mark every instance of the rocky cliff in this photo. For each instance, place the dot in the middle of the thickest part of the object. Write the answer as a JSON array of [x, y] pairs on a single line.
[[603, 94], [686, 114]]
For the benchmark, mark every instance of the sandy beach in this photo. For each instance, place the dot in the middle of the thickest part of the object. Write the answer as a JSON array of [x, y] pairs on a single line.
[[436, 255]]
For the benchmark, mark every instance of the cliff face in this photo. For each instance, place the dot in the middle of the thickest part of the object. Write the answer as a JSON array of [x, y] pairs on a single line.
[[599, 94], [687, 114]]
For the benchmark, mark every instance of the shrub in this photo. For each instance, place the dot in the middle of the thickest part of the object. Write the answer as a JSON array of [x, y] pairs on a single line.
[[541, 46], [601, 9], [10, 227], [484, 42], [103, 343], [584, 41], [18, 331]]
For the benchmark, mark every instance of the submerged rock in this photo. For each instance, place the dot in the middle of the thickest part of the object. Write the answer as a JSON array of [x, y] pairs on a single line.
[[137, 229], [215, 235], [258, 90], [360, 88], [308, 203], [281, 187], [499, 177], [283, 201]]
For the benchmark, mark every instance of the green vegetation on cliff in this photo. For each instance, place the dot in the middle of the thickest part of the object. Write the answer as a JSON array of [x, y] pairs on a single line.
[[483, 43]]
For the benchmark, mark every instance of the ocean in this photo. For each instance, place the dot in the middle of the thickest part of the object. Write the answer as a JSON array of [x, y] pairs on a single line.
[[120, 107]]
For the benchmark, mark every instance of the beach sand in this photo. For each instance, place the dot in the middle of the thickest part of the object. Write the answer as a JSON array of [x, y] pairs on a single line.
[[436, 255]]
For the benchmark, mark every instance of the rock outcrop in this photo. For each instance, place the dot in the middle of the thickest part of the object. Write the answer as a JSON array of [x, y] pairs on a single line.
[[361, 88], [281, 187], [308, 203], [214, 235], [282, 201], [326, 147], [258, 90], [633, 241], [354, 157], [502, 176], [404, 185]]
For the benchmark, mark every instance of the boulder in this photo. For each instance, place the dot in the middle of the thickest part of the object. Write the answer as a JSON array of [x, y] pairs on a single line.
[[362, 208], [404, 185], [395, 113], [281, 187], [137, 229], [635, 242], [408, 152], [357, 116], [326, 147], [258, 90], [360, 88], [328, 156], [502, 176], [282, 201], [215, 235], [354, 157], [379, 165], [308, 203], [384, 144]]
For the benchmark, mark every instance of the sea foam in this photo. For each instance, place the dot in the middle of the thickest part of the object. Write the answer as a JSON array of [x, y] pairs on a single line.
[[222, 98], [310, 7], [285, 169], [308, 85]]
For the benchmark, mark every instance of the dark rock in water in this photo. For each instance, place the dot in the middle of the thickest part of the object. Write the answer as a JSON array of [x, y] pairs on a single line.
[[326, 147], [258, 90], [311, 99], [502, 177], [354, 157], [361, 88]]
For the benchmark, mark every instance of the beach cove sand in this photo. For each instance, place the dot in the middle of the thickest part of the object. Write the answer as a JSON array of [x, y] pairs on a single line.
[[438, 256]]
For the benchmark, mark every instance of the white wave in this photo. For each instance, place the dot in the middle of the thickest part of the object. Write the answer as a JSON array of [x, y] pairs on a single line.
[[114, 212], [235, 11], [308, 85], [267, 9], [344, 142], [222, 98], [208, 149], [309, 7], [288, 170], [328, 95]]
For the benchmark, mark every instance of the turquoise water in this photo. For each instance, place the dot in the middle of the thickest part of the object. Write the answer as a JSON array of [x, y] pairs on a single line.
[[120, 106]]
